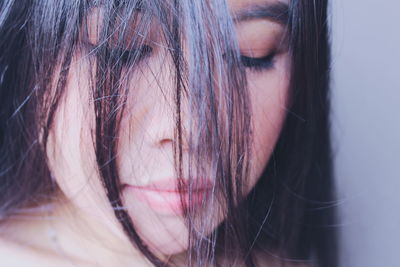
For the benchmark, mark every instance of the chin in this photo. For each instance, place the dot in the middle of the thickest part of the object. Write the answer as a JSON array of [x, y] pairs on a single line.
[[164, 229], [165, 234]]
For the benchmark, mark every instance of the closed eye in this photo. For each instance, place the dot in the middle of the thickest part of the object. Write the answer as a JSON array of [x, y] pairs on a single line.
[[258, 63], [130, 55], [124, 55]]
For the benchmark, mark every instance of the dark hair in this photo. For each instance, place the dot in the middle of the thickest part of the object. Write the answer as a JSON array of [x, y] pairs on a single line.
[[290, 211]]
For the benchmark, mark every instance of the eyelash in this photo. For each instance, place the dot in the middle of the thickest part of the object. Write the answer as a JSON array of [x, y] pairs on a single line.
[[126, 55], [260, 63], [253, 63]]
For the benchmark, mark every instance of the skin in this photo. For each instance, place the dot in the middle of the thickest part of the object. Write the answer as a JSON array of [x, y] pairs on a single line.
[[87, 232]]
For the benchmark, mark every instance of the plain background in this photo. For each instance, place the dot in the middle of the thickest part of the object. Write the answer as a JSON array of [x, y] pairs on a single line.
[[366, 129]]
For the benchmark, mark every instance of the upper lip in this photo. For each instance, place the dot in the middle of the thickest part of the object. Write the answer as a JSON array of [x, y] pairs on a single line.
[[171, 185]]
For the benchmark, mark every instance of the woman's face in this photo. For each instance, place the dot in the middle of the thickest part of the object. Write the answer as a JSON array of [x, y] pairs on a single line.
[[145, 156]]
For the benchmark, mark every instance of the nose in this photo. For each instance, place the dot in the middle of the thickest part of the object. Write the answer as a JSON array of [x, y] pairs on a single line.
[[163, 121], [161, 128]]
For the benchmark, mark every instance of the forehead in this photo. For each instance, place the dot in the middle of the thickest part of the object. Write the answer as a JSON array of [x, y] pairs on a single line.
[[245, 10], [239, 4]]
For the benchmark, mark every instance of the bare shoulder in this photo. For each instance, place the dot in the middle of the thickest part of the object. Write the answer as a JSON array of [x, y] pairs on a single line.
[[19, 255], [16, 252], [13, 254], [15, 249]]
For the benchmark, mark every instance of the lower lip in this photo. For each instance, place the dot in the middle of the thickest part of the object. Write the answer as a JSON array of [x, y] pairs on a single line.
[[166, 202]]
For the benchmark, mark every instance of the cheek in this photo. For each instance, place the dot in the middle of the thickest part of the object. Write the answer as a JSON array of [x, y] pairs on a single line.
[[67, 136], [269, 96], [70, 148]]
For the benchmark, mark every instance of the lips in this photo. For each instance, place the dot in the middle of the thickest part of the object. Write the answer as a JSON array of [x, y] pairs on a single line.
[[163, 196]]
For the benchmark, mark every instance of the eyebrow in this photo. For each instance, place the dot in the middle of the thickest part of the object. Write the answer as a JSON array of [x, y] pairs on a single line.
[[277, 12]]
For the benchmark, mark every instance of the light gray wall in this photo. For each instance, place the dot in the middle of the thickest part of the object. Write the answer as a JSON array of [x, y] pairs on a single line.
[[366, 127]]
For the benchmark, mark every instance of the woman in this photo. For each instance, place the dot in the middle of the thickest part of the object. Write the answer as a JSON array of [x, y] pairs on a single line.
[[165, 133]]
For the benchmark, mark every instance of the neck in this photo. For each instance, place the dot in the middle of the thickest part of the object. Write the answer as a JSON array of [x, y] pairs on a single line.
[[73, 234]]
